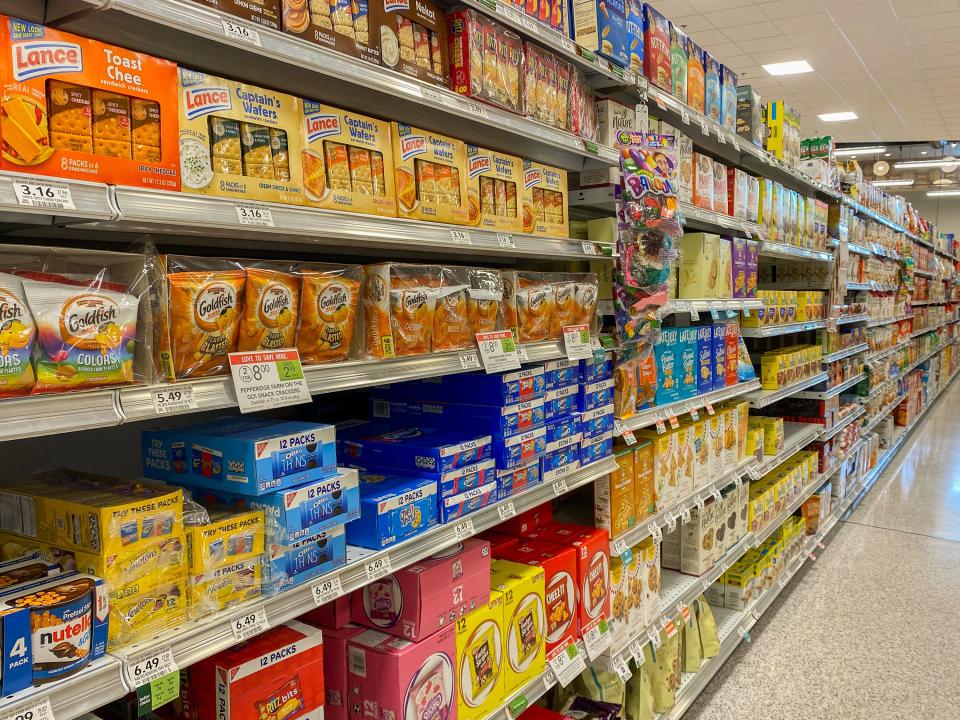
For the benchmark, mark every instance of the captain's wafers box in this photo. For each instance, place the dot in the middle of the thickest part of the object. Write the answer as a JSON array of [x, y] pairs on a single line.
[[544, 206], [431, 175], [347, 161], [84, 110], [494, 183], [278, 674], [239, 141]]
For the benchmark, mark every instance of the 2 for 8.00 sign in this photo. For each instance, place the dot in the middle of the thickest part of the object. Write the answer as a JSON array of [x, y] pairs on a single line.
[[264, 380]]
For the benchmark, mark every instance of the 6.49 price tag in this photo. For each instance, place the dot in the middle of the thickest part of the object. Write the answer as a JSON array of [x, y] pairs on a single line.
[[151, 666], [330, 589], [250, 624]]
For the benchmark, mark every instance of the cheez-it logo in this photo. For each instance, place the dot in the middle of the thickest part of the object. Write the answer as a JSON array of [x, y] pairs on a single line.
[[34, 59], [203, 100]]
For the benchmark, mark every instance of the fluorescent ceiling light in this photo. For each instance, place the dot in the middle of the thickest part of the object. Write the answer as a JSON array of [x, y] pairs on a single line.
[[846, 152], [947, 162], [892, 183], [793, 67], [838, 116], [943, 193]]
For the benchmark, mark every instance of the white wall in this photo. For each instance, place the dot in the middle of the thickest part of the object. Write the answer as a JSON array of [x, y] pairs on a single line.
[[944, 211]]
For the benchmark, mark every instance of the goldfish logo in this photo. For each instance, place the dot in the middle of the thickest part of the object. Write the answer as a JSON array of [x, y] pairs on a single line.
[[89, 322], [214, 306], [334, 297], [16, 328], [276, 305]]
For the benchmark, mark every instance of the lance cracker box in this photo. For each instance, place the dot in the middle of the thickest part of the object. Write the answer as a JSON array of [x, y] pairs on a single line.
[[431, 174]]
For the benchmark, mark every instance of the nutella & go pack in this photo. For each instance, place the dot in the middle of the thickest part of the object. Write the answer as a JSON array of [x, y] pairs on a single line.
[[84, 110]]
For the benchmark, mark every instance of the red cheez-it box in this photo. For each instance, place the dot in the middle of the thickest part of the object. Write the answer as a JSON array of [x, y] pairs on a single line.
[[83, 110], [274, 676]]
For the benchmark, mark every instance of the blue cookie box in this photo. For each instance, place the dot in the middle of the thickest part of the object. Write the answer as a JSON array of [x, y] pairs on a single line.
[[456, 506], [591, 371], [453, 482], [596, 394], [719, 356], [561, 401], [560, 373], [524, 477], [393, 508], [497, 389], [515, 451], [248, 456], [410, 449], [493, 419], [595, 448], [559, 462], [704, 359], [688, 363], [302, 563], [667, 352], [562, 428], [713, 102], [596, 421]]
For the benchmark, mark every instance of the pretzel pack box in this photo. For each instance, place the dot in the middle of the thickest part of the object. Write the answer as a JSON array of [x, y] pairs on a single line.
[[545, 200], [494, 183], [347, 161], [239, 141], [431, 174], [83, 110]]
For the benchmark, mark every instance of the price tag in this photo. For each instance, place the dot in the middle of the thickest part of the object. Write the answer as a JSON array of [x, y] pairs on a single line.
[[636, 649], [567, 664], [597, 639], [656, 533], [469, 361], [705, 127], [173, 399], [756, 614], [661, 428], [560, 488], [567, 44], [821, 545], [243, 33], [694, 315], [700, 503], [670, 627], [694, 414], [746, 636], [659, 100], [714, 314], [623, 431], [378, 567], [576, 341], [674, 422], [463, 530], [782, 582], [151, 666], [522, 352], [737, 482], [329, 589], [255, 215], [505, 240], [685, 516], [735, 142], [684, 611], [460, 237], [709, 408], [621, 548], [654, 639], [506, 510], [40, 193], [589, 248], [498, 351], [721, 136], [158, 692], [811, 557], [250, 624], [671, 523], [623, 670], [746, 312], [38, 709], [266, 380], [684, 116]]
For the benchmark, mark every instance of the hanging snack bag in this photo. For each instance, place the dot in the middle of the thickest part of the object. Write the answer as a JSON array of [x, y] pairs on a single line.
[[451, 324], [329, 300], [399, 305], [17, 334], [270, 310], [530, 303], [485, 300], [649, 173]]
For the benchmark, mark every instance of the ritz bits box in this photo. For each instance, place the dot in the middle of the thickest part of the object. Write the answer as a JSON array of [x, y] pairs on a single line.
[[545, 200], [494, 183], [431, 175], [347, 161], [84, 110], [238, 141]]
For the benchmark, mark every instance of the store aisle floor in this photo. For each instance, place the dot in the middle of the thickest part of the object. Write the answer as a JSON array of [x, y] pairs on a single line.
[[869, 630]]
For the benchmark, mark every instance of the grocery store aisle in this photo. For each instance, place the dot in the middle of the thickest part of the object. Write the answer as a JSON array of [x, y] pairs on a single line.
[[867, 631]]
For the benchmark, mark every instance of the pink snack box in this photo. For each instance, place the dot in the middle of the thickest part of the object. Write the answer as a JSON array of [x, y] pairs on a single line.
[[739, 257], [419, 600], [335, 682], [334, 614], [395, 679], [719, 188]]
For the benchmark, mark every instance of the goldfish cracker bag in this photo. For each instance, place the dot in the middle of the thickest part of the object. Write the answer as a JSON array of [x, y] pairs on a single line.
[[17, 334], [509, 278], [533, 299], [485, 300], [564, 297], [451, 323], [399, 305], [329, 300], [270, 310]]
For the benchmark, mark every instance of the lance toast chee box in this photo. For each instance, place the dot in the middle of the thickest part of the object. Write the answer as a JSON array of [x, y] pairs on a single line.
[[278, 674], [246, 456], [83, 110], [420, 450], [421, 599]]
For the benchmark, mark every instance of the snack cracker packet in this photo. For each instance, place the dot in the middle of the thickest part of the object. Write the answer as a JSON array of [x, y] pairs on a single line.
[[17, 334]]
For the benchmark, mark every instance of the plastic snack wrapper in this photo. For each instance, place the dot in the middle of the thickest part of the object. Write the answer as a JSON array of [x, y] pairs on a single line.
[[451, 321], [399, 303], [486, 59], [485, 300], [582, 109], [329, 312]]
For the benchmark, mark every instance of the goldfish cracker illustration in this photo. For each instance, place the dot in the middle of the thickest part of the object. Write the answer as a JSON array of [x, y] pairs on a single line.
[[451, 321], [270, 310], [17, 334], [328, 313], [204, 320], [484, 300], [86, 335]]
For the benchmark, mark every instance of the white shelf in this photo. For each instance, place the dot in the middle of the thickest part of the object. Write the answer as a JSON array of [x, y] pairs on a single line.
[[886, 352], [92, 201], [851, 319], [886, 321], [762, 398], [845, 353], [792, 252], [929, 302], [710, 305], [796, 436], [868, 213], [874, 420], [787, 329], [710, 221], [858, 286], [830, 392], [836, 429], [648, 417]]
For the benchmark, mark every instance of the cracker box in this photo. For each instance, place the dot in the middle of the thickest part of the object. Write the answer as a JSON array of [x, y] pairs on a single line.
[[521, 588], [635, 44], [600, 27], [612, 118], [486, 59], [292, 565], [665, 468], [528, 521], [678, 61], [83, 110], [645, 490], [425, 597], [656, 54], [545, 203], [494, 182], [686, 463], [728, 97], [561, 402], [736, 193], [520, 449], [697, 540], [725, 275], [278, 673], [347, 161], [413, 38], [699, 266], [704, 359], [647, 579], [561, 373], [481, 657], [703, 181], [685, 167], [713, 98], [738, 265], [703, 472], [596, 422], [242, 455], [411, 449], [516, 480], [614, 500], [668, 366], [239, 141], [595, 448], [749, 115], [687, 352], [346, 27], [431, 174], [696, 81], [621, 600], [720, 190], [393, 508]]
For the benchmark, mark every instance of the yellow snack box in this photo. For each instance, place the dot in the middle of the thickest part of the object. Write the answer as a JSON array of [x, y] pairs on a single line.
[[545, 203], [480, 655], [494, 187], [699, 266], [347, 161], [645, 489], [239, 141], [431, 173], [230, 537], [140, 609], [614, 504], [703, 472], [521, 588], [665, 468], [216, 589]]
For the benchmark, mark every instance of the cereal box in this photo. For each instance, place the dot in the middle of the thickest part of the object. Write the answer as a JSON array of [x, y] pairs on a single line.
[[486, 59], [679, 62], [728, 97], [600, 26], [521, 588], [412, 36], [431, 174], [339, 25], [347, 161], [494, 185], [84, 110], [696, 81], [261, 12], [545, 200], [656, 55], [239, 141], [703, 181]]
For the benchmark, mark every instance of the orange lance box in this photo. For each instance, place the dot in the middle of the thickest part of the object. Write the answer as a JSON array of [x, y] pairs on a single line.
[[494, 184], [83, 110], [545, 200], [431, 174]]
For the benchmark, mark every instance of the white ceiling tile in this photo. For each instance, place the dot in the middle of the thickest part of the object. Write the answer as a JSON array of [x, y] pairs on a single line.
[[920, 23], [817, 37], [744, 15], [914, 8], [673, 8], [708, 38], [783, 9], [752, 31], [771, 44], [804, 23], [851, 17], [692, 23]]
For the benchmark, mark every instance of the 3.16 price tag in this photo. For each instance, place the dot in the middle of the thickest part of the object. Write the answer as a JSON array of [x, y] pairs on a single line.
[[256, 215], [243, 33], [265, 380], [173, 400], [44, 194]]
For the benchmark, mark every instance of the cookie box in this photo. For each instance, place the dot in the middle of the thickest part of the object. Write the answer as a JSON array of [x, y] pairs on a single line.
[[421, 599], [141, 609], [229, 537], [346, 27], [562, 428], [245, 456], [517, 450], [276, 674], [696, 81], [562, 460], [678, 62], [728, 97], [596, 422], [595, 395], [413, 449], [291, 565], [545, 200], [499, 389], [521, 588], [80, 109], [713, 98], [561, 402], [656, 54], [413, 38], [431, 173], [560, 373], [225, 586], [600, 26], [335, 670], [634, 36], [504, 421], [523, 477], [393, 508], [239, 141], [614, 497], [704, 359], [481, 656], [456, 506], [595, 448], [592, 371]]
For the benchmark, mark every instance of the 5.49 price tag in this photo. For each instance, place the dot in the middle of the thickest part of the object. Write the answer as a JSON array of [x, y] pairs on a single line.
[[173, 399]]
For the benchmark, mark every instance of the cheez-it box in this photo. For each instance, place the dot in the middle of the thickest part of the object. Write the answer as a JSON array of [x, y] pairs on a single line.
[[84, 110]]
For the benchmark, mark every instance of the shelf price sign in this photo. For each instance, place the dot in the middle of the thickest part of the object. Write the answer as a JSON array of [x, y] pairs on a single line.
[[38, 709], [173, 399], [265, 380], [257, 215], [576, 342], [498, 351], [152, 665], [41, 193], [156, 693]]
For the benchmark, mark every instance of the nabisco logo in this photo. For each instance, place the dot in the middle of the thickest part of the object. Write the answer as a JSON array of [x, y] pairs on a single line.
[[532, 177], [319, 126], [479, 164], [204, 100], [396, 5], [35, 59], [412, 145]]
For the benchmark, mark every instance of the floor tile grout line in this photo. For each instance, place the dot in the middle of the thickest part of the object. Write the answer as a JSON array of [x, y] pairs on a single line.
[[905, 532]]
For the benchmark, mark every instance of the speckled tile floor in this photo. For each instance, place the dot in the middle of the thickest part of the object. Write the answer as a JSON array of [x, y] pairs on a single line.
[[870, 630]]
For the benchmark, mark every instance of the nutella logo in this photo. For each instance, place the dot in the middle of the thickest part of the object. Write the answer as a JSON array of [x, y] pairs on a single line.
[[532, 177], [478, 164], [205, 100], [35, 59], [319, 126], [412, 145]]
